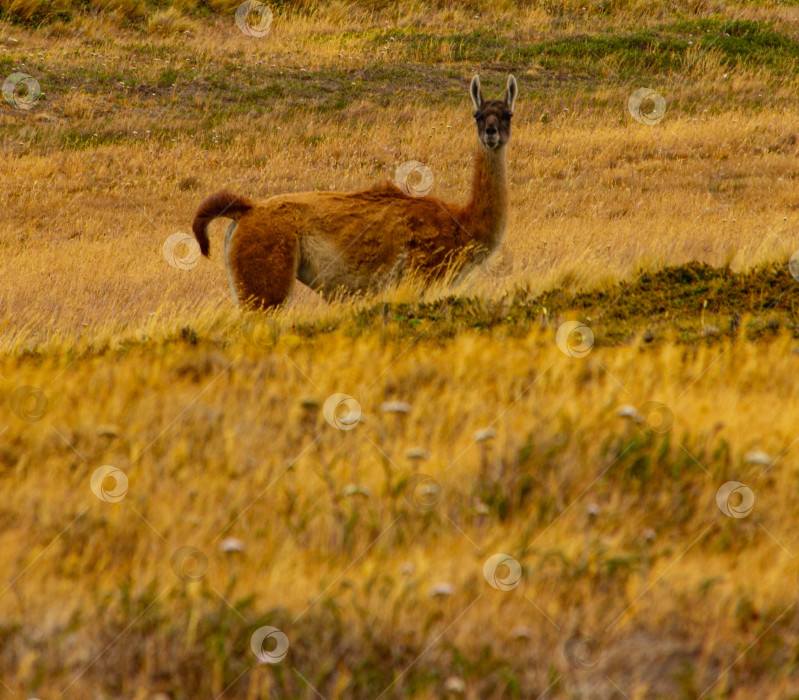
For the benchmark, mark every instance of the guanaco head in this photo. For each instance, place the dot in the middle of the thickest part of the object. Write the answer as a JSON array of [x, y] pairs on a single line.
[[493, 116]]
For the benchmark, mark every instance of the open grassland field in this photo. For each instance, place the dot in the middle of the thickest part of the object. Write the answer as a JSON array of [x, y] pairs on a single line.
[[437, 491]]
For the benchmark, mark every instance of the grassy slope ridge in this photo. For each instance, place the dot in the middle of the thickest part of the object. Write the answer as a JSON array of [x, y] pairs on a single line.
[[683, 303]]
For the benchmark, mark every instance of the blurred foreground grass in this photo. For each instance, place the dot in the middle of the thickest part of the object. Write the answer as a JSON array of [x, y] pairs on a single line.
[[466, 435]]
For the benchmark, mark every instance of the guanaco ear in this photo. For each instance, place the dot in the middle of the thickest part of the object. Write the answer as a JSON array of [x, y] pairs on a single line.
[[510, 95], [474, 91]]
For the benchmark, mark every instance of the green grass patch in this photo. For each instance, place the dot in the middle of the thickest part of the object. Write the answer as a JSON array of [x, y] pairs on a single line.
[[690, 303], [652, 50]]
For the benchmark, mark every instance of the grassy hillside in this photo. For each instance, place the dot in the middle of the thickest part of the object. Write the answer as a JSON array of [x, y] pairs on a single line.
[[569, 475]]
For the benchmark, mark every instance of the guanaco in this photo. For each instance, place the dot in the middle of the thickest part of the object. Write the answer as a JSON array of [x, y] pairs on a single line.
[[357, 241]]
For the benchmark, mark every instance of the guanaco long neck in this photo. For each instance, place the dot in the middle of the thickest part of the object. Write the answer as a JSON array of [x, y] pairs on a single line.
[[487, 210]]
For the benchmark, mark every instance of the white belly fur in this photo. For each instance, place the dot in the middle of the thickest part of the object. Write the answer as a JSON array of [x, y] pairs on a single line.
[[228, 240]]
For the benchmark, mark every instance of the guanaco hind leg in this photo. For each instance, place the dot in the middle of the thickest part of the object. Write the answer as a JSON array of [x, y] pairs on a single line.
[[261, 261]]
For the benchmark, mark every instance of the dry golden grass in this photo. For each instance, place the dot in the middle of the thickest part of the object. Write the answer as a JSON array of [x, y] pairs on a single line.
[[588, 197], [616, 527], [217, 418], [593, 192]]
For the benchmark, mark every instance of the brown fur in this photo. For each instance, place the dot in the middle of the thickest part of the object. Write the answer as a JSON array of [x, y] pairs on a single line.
[[222, 203], [355, 241]]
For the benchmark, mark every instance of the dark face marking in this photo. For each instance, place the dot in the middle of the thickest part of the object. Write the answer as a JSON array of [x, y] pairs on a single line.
[[493, 123]]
